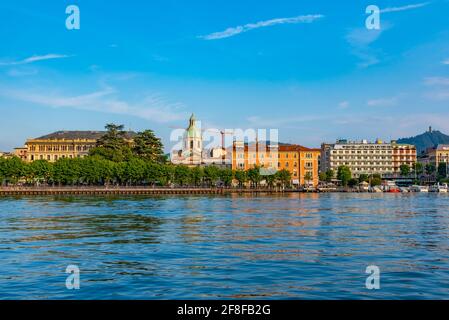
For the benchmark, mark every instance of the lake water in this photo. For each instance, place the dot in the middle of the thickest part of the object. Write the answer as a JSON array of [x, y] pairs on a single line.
[[297, 246]]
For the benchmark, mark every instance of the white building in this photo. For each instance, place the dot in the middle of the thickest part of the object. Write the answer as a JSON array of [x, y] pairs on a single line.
[[193, 153], [366, 157]]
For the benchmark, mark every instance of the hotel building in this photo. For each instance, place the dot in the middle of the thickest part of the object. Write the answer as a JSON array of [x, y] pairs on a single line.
[[57, 145], [438, 154], [300, 161], [403, 154], [367, 158]]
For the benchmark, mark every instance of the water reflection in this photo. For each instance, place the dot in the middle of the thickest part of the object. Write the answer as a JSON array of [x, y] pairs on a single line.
[[235, 246]]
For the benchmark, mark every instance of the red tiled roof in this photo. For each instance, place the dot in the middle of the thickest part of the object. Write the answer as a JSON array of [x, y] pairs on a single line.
[[282, 147]]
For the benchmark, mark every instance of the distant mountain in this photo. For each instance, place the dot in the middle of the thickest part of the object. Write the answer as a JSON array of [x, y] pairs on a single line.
[[426, 140]]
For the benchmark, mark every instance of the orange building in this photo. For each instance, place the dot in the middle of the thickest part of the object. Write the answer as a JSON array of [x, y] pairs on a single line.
[[300, 161], [403, 154]]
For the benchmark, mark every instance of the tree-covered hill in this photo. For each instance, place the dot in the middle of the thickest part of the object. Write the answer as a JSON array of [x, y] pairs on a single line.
[[426, 140]]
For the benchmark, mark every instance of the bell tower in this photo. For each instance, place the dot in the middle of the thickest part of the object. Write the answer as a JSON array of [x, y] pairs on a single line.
[[193, 141]]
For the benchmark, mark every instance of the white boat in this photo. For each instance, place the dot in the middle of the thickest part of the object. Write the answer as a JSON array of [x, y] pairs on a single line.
[[376, 189], [404, 190], [419, 189], [441, 188]]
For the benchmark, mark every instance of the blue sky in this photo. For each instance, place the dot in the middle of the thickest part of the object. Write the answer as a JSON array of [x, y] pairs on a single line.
[[308, 68]]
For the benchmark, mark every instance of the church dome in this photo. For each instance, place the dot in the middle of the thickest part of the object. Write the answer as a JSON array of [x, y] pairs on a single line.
[[192, 131]]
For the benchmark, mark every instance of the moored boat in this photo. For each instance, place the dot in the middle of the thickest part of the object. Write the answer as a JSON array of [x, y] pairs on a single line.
[[417, 188], [441, 188]]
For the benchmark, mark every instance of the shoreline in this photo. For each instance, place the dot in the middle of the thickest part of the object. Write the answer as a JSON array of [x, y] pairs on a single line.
[[102, 191]]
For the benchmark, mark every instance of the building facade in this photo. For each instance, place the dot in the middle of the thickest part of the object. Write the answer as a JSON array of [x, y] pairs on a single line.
[[367, 158], [300, 161], [193, 154], [403, 154], [439, 154], [61, 144], [21, 153]]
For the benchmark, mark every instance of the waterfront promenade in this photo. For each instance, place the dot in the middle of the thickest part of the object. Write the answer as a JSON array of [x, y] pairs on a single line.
[[39, 191], [132, 190]]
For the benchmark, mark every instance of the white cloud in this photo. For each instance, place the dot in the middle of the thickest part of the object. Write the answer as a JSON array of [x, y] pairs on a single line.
[[271, 122], [382, 102], [438, 95], [436, 81], [22, 72], [446, 61], [360, 40], [35, 58], [152, 107], [343, 105], [404, 8], [229, 32]]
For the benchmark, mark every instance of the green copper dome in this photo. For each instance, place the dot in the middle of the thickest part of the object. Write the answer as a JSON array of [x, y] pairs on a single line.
[[192, 130]]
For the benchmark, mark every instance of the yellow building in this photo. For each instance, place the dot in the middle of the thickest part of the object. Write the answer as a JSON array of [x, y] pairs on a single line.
[[300, 161], [61, 144], [439, 154], [21, 153]]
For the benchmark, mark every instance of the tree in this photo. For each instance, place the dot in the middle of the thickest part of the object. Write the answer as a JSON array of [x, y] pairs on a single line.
[[147, 146], [376, 180], [353, 182], [226, 176], [67, 171], [167, 174], [430, 169], [211, 175], [119, 170], [254, 176], [363, 178], [135, 170], [405, 170], [418, 168], [113, 145], [322, 176], [344, 175], [442, 170], [153, 173], [271, 180], [42, 171], [12, 170], [329, 175], [241, 176], [285, 177], [197, 176], [182, 174], [308, 177]]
